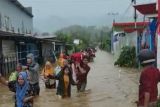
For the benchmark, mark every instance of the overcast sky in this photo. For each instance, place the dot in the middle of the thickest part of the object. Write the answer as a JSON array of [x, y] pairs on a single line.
[[69, 12]]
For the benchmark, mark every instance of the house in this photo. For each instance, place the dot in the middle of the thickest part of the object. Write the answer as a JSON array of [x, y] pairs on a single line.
[[50, 45], [150, 12], [125, 34], [16, 30]]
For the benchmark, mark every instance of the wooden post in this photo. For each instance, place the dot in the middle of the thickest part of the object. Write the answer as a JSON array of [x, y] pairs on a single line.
[[135, 15]]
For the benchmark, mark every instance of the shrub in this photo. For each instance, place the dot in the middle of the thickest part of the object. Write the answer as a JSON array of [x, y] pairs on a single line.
[[127, 57]]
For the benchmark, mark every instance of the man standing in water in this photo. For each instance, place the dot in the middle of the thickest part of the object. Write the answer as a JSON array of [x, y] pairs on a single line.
[[33, 68], [149, 78]]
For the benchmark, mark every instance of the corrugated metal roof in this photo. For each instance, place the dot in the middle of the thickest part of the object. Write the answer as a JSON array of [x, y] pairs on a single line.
[[17, 36], [46, 36]]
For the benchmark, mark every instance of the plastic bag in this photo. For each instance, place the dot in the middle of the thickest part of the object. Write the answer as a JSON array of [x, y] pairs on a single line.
[[13, 76]]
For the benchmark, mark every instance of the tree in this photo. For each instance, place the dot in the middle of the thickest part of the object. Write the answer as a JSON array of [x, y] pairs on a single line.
[[90, 36]]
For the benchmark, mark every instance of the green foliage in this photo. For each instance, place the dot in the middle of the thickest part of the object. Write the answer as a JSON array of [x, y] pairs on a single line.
[[105, 41], [88, 36], [69, 47], [127, 57]]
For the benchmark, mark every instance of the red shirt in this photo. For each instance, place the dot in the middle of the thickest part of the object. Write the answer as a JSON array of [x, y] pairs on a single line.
[[149, 79], [82, 77]]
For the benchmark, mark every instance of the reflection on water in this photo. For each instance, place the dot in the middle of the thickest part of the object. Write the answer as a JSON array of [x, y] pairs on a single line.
[[108, 87]]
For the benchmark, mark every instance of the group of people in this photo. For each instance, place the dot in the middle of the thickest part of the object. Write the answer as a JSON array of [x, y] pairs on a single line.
[[66, 71], [24, 82], [72, 70]]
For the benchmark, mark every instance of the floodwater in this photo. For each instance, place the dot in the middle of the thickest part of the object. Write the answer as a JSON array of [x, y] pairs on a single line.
[[108, 86]]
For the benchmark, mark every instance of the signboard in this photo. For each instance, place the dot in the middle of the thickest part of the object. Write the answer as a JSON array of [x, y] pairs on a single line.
[[76, 41]]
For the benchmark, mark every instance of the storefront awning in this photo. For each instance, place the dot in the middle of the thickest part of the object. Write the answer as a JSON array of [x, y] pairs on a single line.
[[146, 9], [130, 26]]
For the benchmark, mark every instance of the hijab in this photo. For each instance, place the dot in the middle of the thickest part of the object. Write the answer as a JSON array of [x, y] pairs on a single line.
[[21, 89]]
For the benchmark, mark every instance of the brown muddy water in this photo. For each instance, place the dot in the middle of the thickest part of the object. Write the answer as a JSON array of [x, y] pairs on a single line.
[[108, 86]]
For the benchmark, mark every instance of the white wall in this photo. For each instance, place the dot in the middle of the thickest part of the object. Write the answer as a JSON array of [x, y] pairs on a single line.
[[16, 17], [129, 40]]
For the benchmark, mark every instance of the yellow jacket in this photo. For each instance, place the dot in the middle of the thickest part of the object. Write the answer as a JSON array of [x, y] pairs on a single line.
[[48, 69]]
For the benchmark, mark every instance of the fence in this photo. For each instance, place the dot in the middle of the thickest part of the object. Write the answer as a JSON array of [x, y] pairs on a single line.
[[7, 64]]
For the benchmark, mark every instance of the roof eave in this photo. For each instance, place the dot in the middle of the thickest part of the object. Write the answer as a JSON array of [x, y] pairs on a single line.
[[18, 4], [150, 8]]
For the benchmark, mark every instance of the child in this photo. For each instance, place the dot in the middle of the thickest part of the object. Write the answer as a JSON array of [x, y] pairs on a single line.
[[65, 81], [48, 73], [14, 75], [23, 97]]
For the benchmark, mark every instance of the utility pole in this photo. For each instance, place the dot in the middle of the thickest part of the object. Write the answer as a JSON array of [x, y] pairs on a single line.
[[114, 14], [135, 13]]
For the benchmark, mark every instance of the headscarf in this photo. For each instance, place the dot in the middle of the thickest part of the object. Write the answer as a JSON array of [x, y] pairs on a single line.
[[48, 71], [21, 90], [31, 56]]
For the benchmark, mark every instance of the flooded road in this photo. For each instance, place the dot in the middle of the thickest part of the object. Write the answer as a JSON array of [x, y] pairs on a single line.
[[108, 86]]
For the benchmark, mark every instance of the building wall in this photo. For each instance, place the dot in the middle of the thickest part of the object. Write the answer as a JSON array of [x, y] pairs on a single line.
[[8, 48], [12, 17], [129, 40], [8, 60], [47, 49]]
